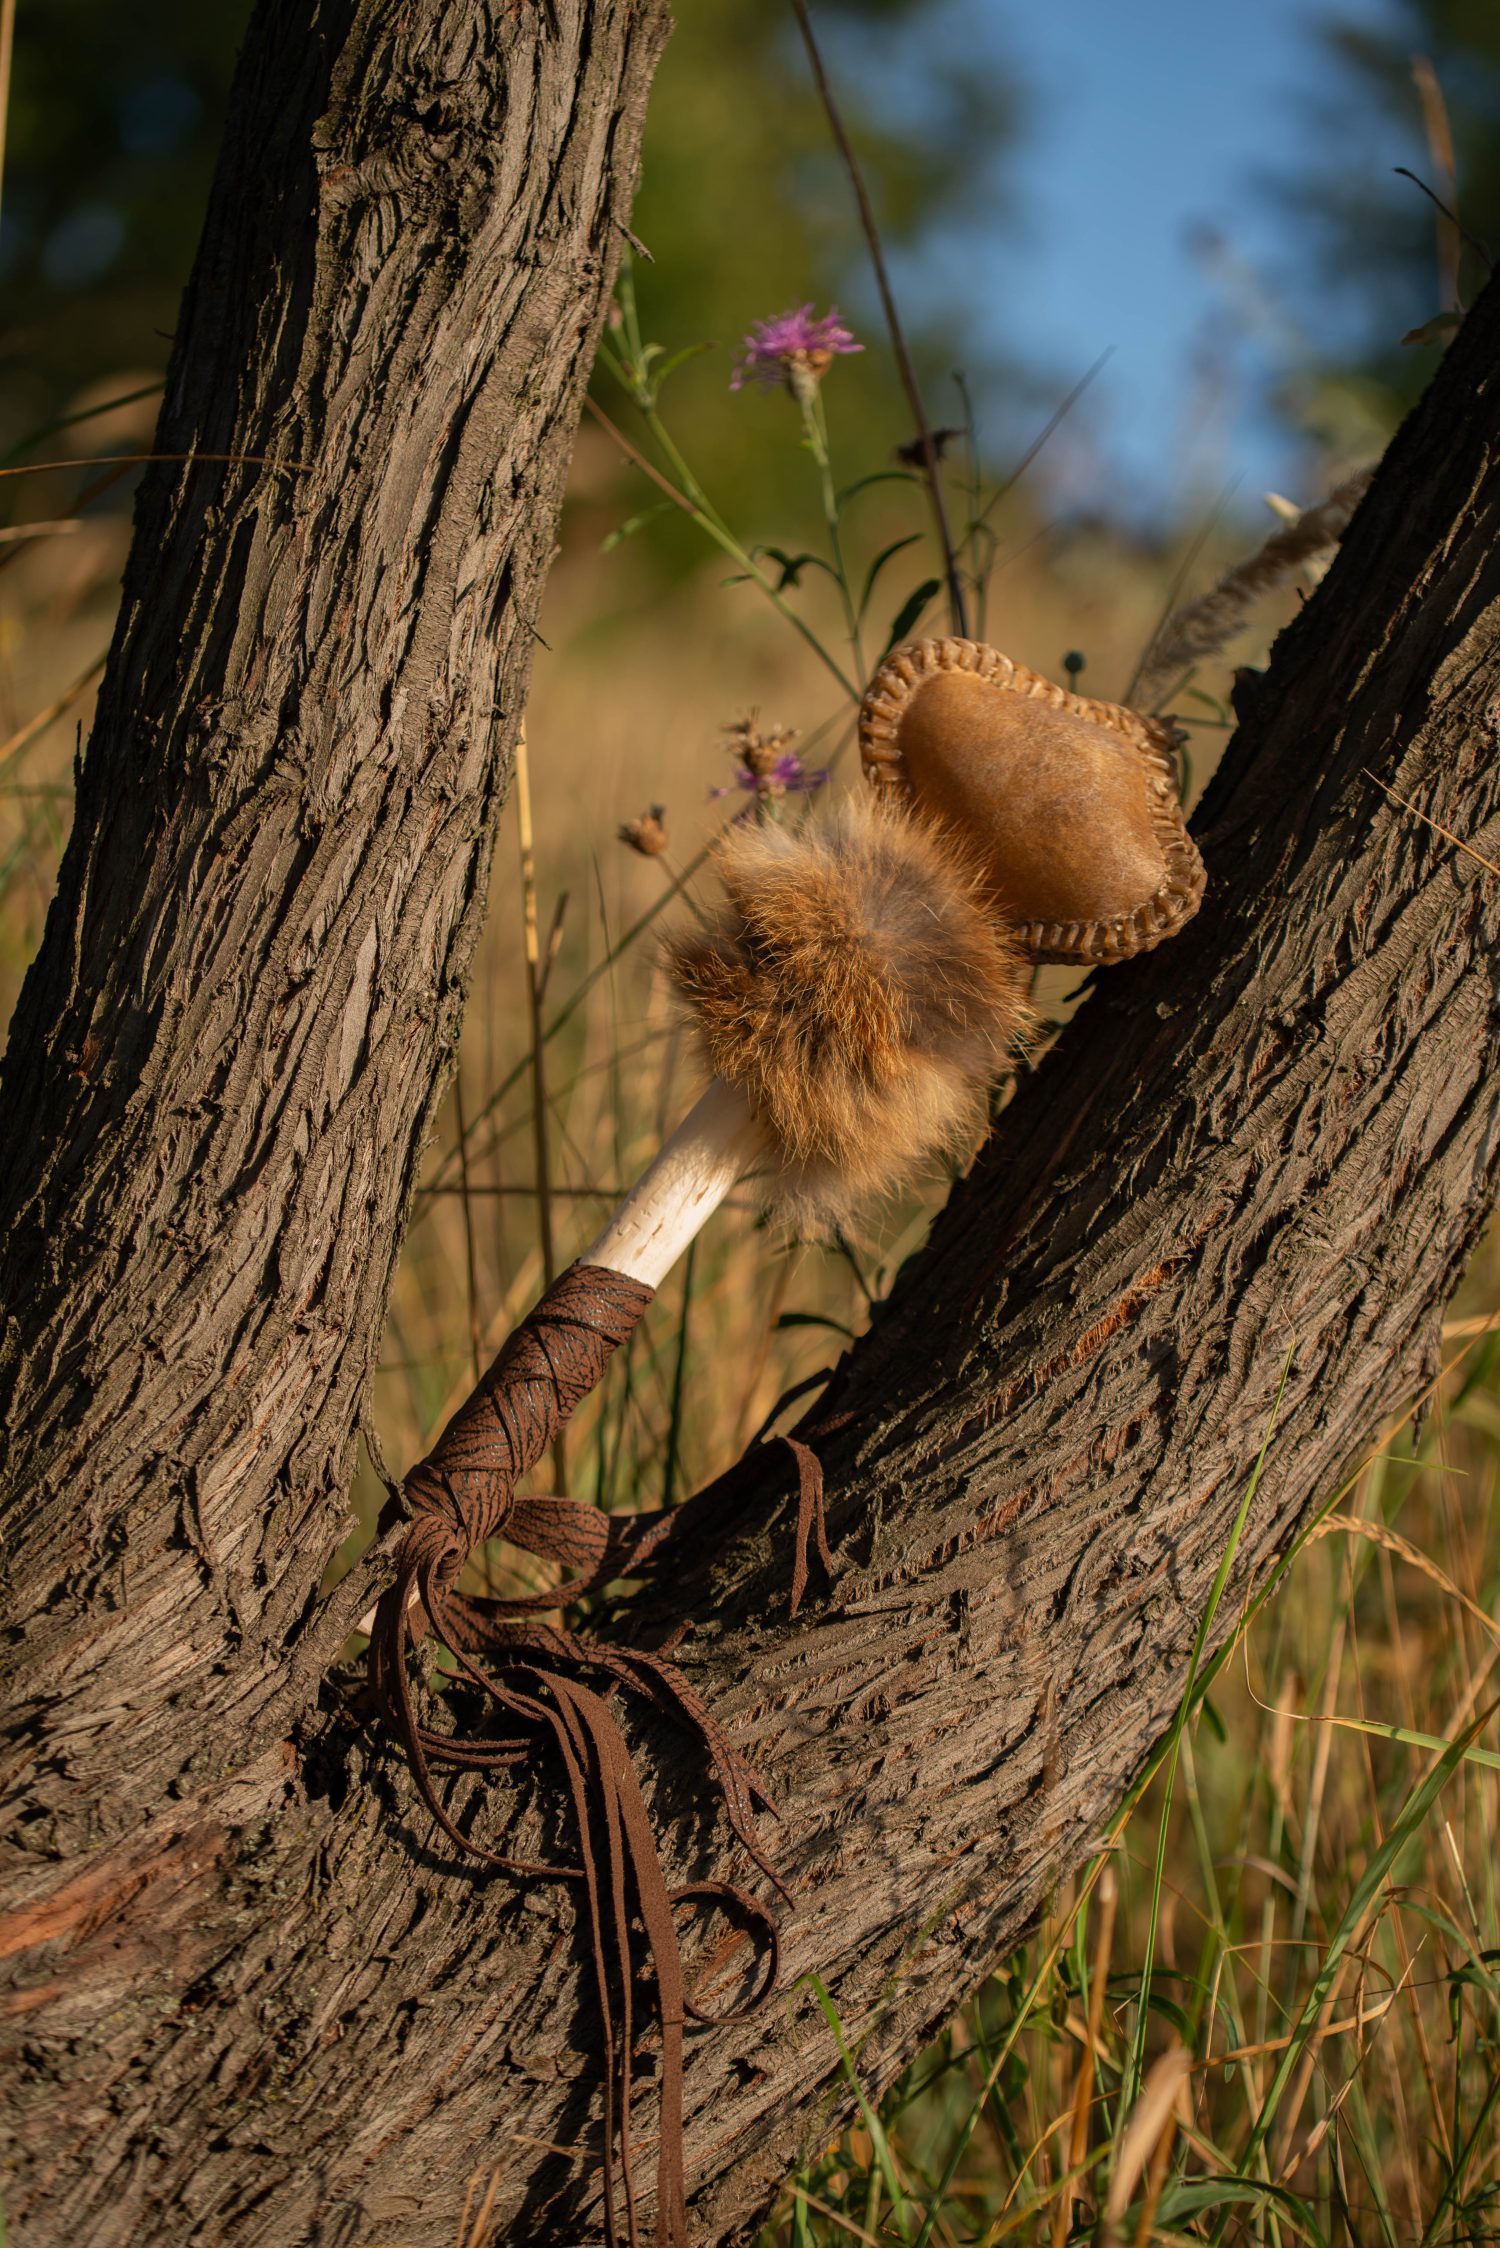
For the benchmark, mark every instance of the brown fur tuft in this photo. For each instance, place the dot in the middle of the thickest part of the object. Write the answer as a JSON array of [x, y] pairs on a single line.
[[859, 992]]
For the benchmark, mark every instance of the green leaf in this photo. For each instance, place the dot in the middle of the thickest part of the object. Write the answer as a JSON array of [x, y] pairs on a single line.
[[791, 566], [636, 523], [881, 476], [1134, 2071], [898, 546], [679, 359], [911, 608], [1405, 1738], [870, 2119], [1220, 2193], [813, 1319]]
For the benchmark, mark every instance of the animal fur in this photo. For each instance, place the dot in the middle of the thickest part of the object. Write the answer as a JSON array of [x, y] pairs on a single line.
[[856, 988]]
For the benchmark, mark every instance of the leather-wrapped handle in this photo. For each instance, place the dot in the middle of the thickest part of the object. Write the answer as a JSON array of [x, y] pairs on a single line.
[[464, 1493]]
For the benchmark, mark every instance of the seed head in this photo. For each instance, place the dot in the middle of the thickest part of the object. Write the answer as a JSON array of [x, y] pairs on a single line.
[[648, 834]]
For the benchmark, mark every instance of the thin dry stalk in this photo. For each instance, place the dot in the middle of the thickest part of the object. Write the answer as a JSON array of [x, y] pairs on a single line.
[[475, 2235], [836, 2217], [1448, 837], [1053, 422], [1437, 2115], [1206, 625], [7, 43], [956, 607], [1390, 1541], [1283, 2163], [1156, 2178], [531, 932], [1407, 2140], [34, 728], [1347, 2024], [1317, 1791], [19, 541], [471, 1277], [1440, 148], [1152, 2121], [637, 458], [504, 1189], [1468, 1700], [65, 523], [1083, 2091], [134, 460]]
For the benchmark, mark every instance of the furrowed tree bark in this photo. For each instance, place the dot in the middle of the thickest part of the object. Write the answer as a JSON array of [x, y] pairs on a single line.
[[227, 1057], [248, 2001]]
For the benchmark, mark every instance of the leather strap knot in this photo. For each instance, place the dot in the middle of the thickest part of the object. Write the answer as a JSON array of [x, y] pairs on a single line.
[[463, 1494]]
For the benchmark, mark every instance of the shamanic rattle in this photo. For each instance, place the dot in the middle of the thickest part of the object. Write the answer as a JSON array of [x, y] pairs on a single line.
[[856, 993]]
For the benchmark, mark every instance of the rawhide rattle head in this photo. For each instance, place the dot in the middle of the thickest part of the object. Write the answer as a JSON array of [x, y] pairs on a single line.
[[1069, 806]]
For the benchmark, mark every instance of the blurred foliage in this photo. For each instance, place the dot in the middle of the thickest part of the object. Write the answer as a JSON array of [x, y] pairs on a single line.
[[1388, 92], [115, 120], [115, 117], [747, 210]]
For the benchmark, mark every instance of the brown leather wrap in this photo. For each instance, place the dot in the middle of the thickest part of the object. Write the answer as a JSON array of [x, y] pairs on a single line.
[[463, 1494]]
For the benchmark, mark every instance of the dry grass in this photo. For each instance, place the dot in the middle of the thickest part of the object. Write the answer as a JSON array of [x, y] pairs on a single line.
[[1313, 2053], [1322, 2012]]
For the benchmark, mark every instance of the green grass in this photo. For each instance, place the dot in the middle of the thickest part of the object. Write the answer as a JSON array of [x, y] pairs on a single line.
[[1303, 1948]]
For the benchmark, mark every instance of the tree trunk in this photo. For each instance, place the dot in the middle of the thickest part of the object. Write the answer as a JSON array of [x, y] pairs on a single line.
[[250, 2003], [227, 1057]]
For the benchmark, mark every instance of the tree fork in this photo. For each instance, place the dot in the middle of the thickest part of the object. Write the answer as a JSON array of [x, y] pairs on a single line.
[[250, 2003]]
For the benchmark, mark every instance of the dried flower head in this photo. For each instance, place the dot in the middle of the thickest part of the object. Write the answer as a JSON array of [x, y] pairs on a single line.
[[768, 764], [648, 834], [858, 989], [793, 348]]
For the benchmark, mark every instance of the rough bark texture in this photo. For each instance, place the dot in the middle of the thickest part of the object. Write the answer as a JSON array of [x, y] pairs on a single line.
[[249, 2002], [227, 1056], [226, 1059]]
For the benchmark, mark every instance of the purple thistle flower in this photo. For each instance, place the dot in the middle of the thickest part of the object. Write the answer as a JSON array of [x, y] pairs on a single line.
[[793, 348]]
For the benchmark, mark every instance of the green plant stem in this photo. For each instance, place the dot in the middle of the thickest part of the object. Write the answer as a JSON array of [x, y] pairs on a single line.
[[713, 522], [957, 612], [68, 421], [679, 1380], [632, 371], [815, 428], [1465, 2155], [693, 501], [1134, 2067], [1356, 1913]]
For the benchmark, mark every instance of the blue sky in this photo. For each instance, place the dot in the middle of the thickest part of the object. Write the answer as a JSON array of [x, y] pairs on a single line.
[[1147, 127]]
